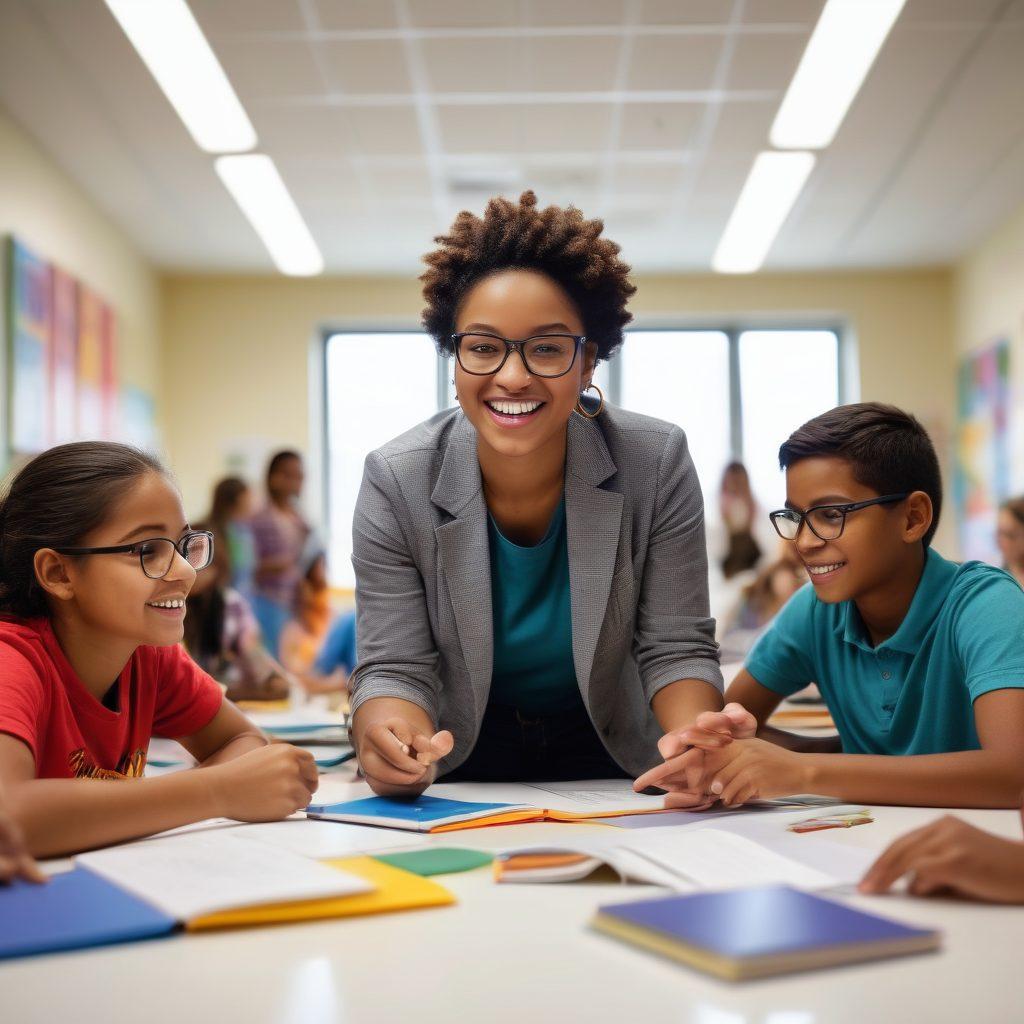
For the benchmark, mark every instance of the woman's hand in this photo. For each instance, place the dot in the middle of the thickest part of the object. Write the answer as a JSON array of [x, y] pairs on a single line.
[[398, 758], [266, 784], [950, 856], [15, 860]]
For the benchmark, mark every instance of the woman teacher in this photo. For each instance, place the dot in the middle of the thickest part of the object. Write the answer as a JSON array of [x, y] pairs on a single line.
[[531, 575]]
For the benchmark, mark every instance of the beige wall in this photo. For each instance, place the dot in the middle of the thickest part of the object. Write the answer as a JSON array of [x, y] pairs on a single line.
[[237, 353], [49, 213], [989, 297]]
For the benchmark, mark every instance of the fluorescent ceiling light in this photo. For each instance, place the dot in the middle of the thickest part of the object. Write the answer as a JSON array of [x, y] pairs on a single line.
[[768, 195], [839, 55], [173, 47], [257, 187]]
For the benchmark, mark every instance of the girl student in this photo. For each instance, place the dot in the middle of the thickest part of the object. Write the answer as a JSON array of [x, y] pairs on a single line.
[[96, 560], [531, 571]]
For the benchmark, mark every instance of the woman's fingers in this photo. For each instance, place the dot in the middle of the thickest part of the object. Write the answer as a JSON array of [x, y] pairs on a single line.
[[432, 748], [688, 801], [387, 741], [655, 776]]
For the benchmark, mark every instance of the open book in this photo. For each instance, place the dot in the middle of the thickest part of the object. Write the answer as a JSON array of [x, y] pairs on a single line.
[[448, 807]]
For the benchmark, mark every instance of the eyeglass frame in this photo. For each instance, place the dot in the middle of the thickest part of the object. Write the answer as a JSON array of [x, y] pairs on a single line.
[[510, 346], [846, 509], [124, 549]]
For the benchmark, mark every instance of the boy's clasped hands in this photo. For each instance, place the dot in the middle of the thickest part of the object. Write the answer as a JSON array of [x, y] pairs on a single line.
[[719, 758]]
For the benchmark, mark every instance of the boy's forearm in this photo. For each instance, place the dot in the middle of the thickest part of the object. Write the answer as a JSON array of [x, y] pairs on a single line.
[[967, 778], [64, 816], [801, 744], [677, 705]]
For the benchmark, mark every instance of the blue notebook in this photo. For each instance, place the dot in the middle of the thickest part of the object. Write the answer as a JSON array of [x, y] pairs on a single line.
[[753, 933], [73, 910], [420, 815]]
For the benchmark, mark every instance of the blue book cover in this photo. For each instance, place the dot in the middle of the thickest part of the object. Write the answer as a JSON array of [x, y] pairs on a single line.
[[420, 815], [758, 931], [74, 910]]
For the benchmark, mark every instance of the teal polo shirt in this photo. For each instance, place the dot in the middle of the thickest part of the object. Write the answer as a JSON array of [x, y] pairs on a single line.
[[533, 669], [912, 694]]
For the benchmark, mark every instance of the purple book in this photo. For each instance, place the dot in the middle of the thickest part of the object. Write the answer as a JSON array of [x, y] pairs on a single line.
[[753, 933]]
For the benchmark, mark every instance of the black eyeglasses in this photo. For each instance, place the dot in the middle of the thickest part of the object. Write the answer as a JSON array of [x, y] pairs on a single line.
[[826, 522], [546, 355], [156, 554]]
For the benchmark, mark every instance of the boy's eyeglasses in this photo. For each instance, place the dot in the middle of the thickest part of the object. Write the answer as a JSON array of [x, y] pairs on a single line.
[[826, 522], [156, 555], [547, 355]]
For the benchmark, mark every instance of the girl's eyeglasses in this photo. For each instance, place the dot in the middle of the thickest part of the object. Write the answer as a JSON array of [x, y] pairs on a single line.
[[156, 555]]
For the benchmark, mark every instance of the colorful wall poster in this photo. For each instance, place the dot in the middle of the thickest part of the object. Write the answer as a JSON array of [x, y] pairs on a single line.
[[108, 371], [982, 472], [29, 317], [90, 418], [63, 358]]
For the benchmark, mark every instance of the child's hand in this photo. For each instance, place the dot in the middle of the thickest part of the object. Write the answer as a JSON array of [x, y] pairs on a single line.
[[951, 856], [398, 759], [15, 861], [266, 784], [682, 749], [749, 769]]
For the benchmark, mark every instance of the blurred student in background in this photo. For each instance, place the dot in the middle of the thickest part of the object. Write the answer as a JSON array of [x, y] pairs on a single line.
[[739, 512], [280, 533], [760, 601], [1010, 537], [336, 660], [231, 510], [304, 635], [223, 637]]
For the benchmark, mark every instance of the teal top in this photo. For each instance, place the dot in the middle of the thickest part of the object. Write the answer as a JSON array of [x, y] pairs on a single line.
[[963, 636], [533, 668]]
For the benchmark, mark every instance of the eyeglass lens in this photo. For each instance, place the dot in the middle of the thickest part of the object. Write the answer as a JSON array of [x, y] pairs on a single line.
[[548, 356], [157, 556]]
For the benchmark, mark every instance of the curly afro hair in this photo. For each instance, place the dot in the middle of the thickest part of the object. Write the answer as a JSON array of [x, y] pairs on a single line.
[[554, 241]]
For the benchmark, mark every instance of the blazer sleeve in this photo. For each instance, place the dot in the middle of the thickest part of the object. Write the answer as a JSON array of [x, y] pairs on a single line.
[[395, 647], [675, 634]]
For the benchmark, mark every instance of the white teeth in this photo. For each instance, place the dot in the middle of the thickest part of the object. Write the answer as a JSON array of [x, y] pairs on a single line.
[[168, 604], [819, 570], [514, 408]]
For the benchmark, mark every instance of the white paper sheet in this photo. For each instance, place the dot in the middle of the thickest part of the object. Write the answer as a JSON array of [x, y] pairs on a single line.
[[201, 873], [592, 796], [322, 840]]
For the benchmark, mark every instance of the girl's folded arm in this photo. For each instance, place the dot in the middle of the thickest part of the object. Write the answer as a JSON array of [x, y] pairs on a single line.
[[228, 735]]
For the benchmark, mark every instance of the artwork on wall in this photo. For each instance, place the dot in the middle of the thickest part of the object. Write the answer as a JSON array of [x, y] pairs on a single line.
[[63, 358], [29, 314], [62, 355], [982, 473]]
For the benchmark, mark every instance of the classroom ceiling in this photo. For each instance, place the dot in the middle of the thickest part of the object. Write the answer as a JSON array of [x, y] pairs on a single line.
[[386, 117]]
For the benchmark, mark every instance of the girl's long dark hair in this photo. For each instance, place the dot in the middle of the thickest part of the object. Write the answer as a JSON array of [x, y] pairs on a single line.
[[55, 501]]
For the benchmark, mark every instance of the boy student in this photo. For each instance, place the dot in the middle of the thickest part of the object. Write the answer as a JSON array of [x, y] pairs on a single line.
[[919, 659]]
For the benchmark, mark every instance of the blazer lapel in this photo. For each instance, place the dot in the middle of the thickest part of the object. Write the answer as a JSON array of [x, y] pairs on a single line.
[[464, 555], [593, 522]]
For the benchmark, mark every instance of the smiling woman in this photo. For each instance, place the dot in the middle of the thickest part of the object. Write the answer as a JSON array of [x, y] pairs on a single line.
[[531, 577]]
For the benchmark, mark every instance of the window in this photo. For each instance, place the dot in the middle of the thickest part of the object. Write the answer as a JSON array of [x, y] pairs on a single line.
[[738, 394]]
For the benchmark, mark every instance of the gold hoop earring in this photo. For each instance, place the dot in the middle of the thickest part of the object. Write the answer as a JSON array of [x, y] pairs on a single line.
[[582, 410]]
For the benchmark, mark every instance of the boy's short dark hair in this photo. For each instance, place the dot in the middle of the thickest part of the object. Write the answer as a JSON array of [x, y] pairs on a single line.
[[888, 450]]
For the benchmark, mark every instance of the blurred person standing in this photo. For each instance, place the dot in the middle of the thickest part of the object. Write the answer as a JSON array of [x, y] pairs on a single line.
[[279, 533], [1010, 537], [231, 509]]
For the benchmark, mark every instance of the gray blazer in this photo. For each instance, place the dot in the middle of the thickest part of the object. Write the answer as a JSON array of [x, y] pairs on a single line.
[[637, 576]]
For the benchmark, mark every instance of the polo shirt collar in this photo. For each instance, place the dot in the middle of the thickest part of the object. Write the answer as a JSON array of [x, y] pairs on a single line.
[[931, 593]]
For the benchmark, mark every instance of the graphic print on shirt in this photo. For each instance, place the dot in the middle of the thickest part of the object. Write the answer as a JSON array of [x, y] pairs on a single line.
[[131, 766]]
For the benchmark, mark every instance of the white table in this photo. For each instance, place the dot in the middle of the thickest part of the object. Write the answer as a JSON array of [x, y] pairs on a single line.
[[524, 954]]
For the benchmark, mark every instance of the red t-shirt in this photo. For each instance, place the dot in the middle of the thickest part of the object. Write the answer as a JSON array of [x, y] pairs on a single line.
[[161, 692]]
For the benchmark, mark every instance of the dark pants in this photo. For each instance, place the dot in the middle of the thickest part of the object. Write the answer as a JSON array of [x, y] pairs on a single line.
[[515, 748]]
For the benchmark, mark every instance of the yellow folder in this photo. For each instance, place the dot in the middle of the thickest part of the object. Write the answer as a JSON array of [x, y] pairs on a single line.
[[395, 890]]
